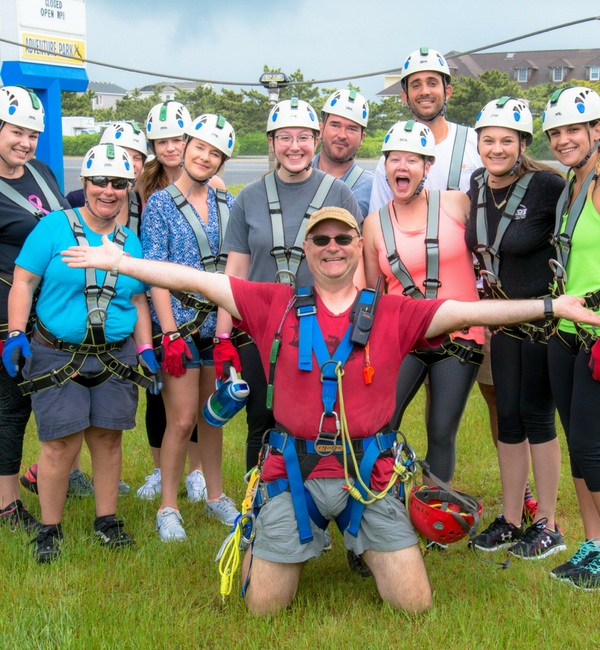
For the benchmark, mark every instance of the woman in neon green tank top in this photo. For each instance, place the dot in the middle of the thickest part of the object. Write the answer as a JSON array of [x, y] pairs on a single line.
[[572, 123]]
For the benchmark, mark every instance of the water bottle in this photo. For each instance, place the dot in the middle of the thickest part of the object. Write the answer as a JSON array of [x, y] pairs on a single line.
[[229, 398]]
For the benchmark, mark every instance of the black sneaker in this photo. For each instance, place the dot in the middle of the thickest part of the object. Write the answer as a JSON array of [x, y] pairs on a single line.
[[358, 565], [47, 544], [435, 546], [111, 532], [587, 577], [539, 542], [585, 554], [16, 515], [498, 535]]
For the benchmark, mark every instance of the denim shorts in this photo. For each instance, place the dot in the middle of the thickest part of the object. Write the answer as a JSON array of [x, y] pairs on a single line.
[[384, 527]]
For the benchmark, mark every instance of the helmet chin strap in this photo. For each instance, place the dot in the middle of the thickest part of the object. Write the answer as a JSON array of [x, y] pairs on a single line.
[[194, 180], [292, 174], [593, 148], [421, 184]]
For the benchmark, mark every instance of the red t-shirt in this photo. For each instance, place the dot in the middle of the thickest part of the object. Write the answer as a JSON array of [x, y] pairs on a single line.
[[399, 327]]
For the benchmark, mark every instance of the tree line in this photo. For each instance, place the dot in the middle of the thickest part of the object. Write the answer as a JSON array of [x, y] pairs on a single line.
[[247, 110]]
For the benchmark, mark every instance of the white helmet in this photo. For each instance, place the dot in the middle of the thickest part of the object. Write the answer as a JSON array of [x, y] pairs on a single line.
[[126, 134], [508, 113], [292, 112], [107, 160], [423, 60], [577, 105], [410, 136], [349, 104], [214, 130], [21, 107], [167, 120]]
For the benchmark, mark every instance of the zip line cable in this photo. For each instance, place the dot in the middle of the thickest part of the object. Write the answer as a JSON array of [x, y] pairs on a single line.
[[293, 83]]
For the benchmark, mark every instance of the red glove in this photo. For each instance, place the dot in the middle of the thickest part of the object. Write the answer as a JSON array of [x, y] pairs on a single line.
[[223, 351], [595, 360], [175, 350]]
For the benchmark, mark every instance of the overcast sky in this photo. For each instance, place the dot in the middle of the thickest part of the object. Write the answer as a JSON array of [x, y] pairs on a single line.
[[231, 40]]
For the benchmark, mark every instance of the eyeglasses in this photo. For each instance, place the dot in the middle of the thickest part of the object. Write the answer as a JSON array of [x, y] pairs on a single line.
[[288, 139], [323, 240], [103, 181]]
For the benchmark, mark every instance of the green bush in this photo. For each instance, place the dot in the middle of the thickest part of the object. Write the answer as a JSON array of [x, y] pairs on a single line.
[[253, 144], [371, 147], [78, 145], [540, 149]]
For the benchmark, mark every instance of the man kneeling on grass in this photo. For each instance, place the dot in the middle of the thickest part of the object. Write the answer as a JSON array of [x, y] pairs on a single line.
[[383, 536]]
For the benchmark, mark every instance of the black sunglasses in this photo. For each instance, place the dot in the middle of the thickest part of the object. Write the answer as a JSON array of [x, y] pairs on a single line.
[[323, 240], [103, 181]]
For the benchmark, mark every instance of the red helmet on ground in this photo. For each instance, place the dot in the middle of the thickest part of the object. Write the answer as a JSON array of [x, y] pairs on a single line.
[[441, 516]]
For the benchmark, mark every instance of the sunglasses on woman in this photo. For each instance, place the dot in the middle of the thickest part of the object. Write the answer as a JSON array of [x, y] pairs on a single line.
[[323, 240], [103, 181]]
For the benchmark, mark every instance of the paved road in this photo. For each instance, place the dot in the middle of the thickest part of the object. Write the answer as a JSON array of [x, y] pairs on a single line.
[[237, 170]]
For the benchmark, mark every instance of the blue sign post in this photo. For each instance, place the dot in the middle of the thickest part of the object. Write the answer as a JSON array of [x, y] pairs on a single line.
[[47, 81]]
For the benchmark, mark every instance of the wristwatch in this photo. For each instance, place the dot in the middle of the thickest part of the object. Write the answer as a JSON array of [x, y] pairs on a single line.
[[548, 310]]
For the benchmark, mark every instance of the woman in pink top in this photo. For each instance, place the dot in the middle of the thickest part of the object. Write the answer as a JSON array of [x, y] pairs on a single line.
[[418, 242]]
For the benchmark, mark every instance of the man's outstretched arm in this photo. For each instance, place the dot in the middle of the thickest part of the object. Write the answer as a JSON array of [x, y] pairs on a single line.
[[212, 286], [453, 316]]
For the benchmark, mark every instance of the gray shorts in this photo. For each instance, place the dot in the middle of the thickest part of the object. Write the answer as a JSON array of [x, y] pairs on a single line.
[[385, 525], [63, 410]]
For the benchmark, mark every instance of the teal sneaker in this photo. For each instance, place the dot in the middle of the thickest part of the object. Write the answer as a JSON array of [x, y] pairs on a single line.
[[587, 552], [80, 485]]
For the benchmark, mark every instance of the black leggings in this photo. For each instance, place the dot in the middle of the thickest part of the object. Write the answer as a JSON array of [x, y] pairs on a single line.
[[156, 420], [258, 417], [450, 383], [577, 396], [523, 393], [14, 415]]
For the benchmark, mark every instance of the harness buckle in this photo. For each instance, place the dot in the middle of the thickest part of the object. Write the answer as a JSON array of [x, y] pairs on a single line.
[[484, 272], [592, 301], [409, 291], [432, 283], [279, 250], [54, 376], [122, 370], [327, 443], [93, 290]]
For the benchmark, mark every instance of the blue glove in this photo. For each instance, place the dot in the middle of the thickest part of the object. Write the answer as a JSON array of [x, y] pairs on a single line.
[[15, 350], [152, 370]]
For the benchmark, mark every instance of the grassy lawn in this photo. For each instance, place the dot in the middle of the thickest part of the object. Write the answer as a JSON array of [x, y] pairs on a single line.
[[167, 596]]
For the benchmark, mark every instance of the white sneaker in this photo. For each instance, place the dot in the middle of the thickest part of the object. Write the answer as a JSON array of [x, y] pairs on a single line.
[[168, 525], [196, 486], [151, 488], [222, 509]]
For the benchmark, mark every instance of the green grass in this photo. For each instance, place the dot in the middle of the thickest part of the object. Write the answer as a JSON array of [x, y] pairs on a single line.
[[167, 596]]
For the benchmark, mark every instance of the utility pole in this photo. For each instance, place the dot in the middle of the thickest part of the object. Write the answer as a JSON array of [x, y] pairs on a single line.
[[273, 81]]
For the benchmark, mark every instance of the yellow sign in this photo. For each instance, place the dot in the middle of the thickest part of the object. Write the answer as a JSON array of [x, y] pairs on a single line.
[[57, 50]]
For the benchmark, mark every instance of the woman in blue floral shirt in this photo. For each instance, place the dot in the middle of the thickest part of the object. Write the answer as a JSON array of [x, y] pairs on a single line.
[[185, 223]]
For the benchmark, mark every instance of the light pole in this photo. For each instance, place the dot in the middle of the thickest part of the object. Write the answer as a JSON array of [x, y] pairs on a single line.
[[273, 81]]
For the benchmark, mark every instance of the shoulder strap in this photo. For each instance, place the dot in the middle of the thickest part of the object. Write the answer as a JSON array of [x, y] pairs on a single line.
[[288, 259], [562, 241], [490, 254], [223, 213], [432, 246], [398, 269], [206, 256], [458, 151], [53, 202], [353, 176], [133, 222]]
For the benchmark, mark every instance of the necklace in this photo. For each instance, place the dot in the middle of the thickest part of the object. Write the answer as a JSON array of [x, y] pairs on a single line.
[[502, 203]]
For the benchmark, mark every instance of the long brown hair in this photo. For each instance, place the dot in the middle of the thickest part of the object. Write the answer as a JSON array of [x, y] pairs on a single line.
[[528, 164], [152, 179]]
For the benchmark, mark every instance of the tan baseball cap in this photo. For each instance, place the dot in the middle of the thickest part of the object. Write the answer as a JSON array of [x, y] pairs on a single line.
[[339, 214]]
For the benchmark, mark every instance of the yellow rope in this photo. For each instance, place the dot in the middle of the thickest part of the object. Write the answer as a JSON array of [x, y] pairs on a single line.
[[400, 472]]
